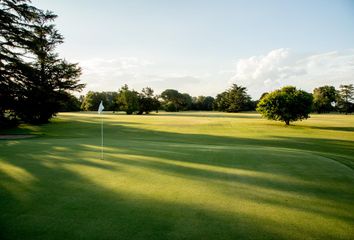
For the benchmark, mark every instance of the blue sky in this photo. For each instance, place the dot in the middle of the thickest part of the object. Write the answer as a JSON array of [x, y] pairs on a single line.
[[202, 47]]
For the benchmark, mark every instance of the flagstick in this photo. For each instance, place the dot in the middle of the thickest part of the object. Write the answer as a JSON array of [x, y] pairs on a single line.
[[100, 110], [101, 137]]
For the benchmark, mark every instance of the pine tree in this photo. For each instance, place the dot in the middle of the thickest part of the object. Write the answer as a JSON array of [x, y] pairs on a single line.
[[34, 81], [50, 77], [16, 32]]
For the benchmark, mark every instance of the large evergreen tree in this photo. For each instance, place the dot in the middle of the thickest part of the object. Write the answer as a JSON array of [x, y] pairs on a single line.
[[16, 33], [50, 78], [34, 81], [235, 99]]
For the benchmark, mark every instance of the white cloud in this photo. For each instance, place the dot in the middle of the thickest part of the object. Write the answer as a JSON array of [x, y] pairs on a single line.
[[110, 74], [281, 67], [259, 74], [261, 66]]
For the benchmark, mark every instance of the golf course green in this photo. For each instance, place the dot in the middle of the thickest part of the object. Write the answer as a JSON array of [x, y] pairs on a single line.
[[188, 175]]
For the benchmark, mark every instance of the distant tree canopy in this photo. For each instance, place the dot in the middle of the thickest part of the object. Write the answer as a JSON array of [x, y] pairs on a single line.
[[235, 99], [34, 81], [128, 100], [202, 103], [174, 101], [324, 98], [147, 101], [92, 100], [171, 100], [144, 102], [345, 98], [287, 104]]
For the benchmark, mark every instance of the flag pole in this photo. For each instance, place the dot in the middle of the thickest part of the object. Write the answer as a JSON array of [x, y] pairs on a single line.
[[100, 110], [101, 137]]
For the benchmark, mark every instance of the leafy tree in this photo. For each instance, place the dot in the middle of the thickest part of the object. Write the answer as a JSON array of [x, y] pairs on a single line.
[[323, 98], [203, 103], [88, 101], [110, 100], [221, 102], [235, 99], [92, 100], [197, 102], [345, 98], [128, 100], [186, 101], [147, 101], [287, 104], [173, 100], [263, 95], [208, 103]]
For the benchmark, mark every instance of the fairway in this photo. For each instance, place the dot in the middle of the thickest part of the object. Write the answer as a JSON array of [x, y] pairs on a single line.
[[189, 175]]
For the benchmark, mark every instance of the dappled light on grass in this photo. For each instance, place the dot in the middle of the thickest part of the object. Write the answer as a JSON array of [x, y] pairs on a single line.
[[17, 181], [241, 191], [16, 173]]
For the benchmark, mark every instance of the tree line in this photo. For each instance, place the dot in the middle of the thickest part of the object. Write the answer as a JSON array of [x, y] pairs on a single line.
[[144, 102], [235, 99]]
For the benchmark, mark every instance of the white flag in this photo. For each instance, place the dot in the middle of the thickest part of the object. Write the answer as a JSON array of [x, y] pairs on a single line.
[[100, 108]]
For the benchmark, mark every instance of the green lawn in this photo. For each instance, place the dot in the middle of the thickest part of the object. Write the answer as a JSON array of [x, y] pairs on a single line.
[[179, 176]]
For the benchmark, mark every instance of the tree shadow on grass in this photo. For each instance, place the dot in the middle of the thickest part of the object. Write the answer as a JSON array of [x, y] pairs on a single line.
[[43, 195], [61, 204]]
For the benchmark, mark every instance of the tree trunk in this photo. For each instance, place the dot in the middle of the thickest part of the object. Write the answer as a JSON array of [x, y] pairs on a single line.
[[287, 122]]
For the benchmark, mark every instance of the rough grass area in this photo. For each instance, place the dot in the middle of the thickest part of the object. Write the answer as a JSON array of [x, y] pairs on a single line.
[[179, 176]]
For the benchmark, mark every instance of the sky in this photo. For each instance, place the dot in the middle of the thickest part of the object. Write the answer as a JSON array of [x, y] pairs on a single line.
[[202, 47]]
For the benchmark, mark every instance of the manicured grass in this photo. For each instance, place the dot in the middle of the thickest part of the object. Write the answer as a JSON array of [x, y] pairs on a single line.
[[179, 176]]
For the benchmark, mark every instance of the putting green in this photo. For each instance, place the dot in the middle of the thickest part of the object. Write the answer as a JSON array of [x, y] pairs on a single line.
[[192, 175]]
